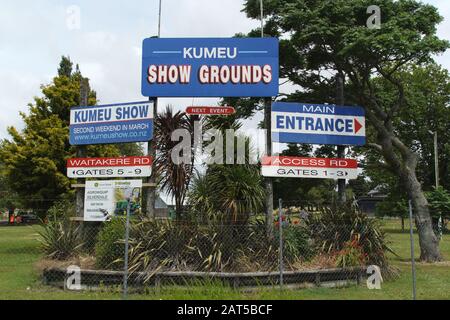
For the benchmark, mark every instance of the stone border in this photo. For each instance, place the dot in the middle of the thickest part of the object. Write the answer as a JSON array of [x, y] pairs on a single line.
[[317, 277]]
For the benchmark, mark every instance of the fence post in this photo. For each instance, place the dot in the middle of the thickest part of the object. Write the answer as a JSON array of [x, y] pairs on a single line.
[[411, 236], [280, 225], [127, 235]]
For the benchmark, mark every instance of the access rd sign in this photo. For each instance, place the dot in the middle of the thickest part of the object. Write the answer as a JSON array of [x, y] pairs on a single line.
[[108, 198], [297, 167], [210, 67], [114, 123], [123, 167], [223, 111], [318, 124]]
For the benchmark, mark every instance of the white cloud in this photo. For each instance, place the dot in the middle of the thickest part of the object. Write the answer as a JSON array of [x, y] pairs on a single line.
[[34, 35]]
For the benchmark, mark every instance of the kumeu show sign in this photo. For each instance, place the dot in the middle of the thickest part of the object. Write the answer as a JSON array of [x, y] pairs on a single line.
[[210, 67], [318, 124], [115, 123], [121, 167], [298, 167]]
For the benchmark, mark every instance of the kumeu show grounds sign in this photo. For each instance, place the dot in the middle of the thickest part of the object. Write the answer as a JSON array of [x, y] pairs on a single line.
[[210, 67], [115, 123]]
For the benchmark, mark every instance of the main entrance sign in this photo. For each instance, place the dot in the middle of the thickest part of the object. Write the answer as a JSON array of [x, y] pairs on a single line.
[[115, 123], [318, 124], [122, 167], [297, 167], [210, 67]]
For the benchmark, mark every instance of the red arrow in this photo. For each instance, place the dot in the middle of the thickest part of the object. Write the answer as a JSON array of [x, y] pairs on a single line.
[[358, 126]]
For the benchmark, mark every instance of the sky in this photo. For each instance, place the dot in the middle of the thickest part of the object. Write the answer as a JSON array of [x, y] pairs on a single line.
[[104, 37]]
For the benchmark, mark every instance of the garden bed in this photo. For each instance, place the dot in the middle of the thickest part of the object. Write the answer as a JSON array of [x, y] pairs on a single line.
[[104, 278]]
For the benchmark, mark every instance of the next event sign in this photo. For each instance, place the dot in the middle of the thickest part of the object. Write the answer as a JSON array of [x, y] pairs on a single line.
[[318, 124], [115, 123], [298, 167], [210, 67]]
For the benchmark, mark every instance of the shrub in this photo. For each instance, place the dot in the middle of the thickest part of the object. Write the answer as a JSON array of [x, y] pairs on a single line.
[[297, 243], [61, 210], [333, 228], [60, 239], [351, 255], [110, 248], [165, 245]]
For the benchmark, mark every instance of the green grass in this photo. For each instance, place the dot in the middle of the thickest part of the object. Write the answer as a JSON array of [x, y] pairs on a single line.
[[19, 251]]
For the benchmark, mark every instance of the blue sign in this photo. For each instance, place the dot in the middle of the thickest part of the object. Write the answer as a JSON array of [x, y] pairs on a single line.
[[210, 67], [115, 123], [318, 124]]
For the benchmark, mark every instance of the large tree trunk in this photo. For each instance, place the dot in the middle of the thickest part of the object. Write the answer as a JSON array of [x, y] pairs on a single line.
[[403, 162], [429, 243]]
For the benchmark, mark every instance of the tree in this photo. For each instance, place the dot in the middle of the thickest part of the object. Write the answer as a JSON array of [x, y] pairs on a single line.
[[329, 37], [174, 176], [34, 159], [439, 200]]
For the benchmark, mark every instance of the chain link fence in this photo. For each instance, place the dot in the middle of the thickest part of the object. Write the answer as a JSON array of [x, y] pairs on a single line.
[[308, 244]]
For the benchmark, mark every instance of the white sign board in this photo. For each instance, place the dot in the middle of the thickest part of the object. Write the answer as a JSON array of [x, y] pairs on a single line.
[[297, 167], [108, 198], [122, 167]]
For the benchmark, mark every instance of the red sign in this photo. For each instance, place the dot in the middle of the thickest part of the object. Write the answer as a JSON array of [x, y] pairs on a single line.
[[224, 111], [309, 162]]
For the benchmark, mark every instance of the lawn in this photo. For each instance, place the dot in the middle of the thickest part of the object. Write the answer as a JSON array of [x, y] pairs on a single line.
[[19, 251]]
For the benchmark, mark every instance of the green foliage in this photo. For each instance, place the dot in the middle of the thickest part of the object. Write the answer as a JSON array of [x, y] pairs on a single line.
[[174, 178], [392, 206], [60, 239], [334, 228], [297, 243], [164, 246], [34, 159], [228, 193], [439, 202], [62, 210], [110, 248], [351, 255]]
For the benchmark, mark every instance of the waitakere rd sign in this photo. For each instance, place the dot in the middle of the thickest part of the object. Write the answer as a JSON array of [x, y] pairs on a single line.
[[115, 123], [123, 167], [297, 167], [210, 67], [318, 124], [108, 198], [223, 111]]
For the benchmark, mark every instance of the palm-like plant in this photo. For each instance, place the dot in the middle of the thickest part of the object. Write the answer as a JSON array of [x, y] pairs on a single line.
[[228, 192], [174, 178]]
